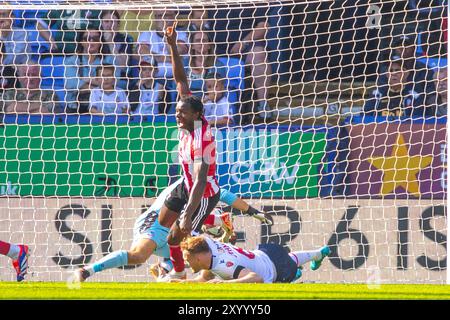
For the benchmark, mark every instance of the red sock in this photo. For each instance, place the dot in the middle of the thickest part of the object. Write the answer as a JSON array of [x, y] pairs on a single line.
[[209, 220], [177, 258], [4, 248]]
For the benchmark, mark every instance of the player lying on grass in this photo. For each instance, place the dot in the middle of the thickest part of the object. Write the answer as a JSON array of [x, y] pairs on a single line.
[[269, 263], [19, 255], [217, 224], [150, 237]]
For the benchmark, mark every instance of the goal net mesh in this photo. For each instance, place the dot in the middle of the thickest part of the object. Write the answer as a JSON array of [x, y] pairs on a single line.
[[328, 115]]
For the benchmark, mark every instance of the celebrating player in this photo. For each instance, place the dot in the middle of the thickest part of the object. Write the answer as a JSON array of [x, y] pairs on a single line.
[[19, 254], [199, 193], [269, 263]]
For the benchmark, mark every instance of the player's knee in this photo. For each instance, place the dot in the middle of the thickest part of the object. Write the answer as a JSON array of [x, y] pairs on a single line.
[[141, 258], [136, 257]]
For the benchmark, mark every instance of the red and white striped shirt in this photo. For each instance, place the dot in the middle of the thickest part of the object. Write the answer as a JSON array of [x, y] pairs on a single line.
[[196, 146]]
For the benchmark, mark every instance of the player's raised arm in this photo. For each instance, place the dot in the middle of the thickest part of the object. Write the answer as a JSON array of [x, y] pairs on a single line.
[[177, 64]]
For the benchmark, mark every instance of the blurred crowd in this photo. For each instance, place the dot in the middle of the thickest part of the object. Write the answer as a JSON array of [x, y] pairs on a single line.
[[113, 62], [86, 61]]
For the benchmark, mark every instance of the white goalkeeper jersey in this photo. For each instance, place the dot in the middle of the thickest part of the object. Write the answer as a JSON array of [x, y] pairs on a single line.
[[228, 261]]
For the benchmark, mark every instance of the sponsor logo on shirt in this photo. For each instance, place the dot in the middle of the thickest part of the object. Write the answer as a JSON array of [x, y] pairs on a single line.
[[229, 264]]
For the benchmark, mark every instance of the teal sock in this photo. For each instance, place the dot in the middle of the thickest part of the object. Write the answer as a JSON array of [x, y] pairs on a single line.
[[113, 260]]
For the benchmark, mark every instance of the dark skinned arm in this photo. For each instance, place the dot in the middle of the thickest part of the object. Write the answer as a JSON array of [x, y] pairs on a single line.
[[177, 64]]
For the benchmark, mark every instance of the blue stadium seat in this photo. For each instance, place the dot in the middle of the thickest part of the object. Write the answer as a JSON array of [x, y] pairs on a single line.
[[52, 71], [27, 19], [234, 78], [38, 44], [235, 83], [433, 63]]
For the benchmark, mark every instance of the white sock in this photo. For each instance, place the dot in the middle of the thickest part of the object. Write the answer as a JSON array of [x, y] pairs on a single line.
[[302, 257], [13, 252]]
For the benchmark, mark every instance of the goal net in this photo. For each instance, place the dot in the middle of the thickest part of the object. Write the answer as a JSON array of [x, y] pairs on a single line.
[[331, 116]]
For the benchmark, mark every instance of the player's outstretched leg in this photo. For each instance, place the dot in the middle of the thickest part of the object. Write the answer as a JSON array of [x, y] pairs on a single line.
[[113, 260], [137, 255], [314, 256], [21, 263], [19, 254], [316, 263]]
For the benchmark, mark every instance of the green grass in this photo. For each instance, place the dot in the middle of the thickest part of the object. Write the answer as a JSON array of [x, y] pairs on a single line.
[[59, 290]]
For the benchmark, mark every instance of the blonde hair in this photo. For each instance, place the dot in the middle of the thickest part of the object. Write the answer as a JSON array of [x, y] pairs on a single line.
[[194, 245]]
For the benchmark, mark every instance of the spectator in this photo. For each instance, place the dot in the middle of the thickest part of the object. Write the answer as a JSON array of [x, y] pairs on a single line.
[[405, 47], [7, 72], [217, 109], [202, 60], [421, 76], [17, 49], [39, 35], [397, 98], [152, 42], [107, 99], [81, 69], [64, 26], [198, 20], [29, 98], [120, 45], [91, 54], [242, 32], [146, 98], [437, 102]]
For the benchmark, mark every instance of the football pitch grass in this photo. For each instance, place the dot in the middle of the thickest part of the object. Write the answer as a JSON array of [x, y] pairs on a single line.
[[179, 291]]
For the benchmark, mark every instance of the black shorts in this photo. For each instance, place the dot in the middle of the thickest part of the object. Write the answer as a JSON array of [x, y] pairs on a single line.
[[286, 267], [179, 197]]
